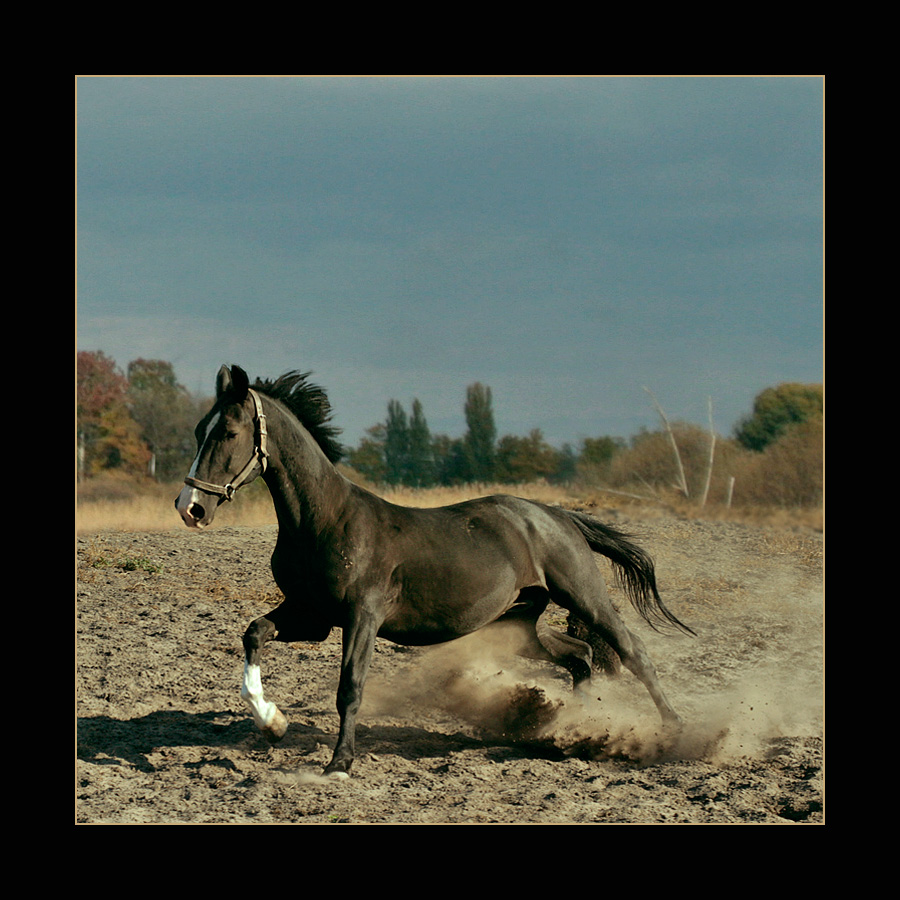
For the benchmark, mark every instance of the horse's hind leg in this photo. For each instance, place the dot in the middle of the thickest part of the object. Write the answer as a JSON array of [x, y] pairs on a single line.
[[636, 659], [540, 641], [268, 718], [572, 654], [604, 658], [590, 602]]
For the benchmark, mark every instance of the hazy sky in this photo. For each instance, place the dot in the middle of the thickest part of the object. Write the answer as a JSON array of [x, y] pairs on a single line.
[[566, 240]]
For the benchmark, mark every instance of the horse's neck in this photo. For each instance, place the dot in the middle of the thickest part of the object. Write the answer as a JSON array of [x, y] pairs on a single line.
[[306, 488]]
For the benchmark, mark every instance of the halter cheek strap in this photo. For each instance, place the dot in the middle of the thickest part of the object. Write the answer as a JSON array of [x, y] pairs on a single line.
[[260, 456]]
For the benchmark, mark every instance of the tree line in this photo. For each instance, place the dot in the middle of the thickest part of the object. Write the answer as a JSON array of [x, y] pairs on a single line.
[[403, 451], [140, 423]]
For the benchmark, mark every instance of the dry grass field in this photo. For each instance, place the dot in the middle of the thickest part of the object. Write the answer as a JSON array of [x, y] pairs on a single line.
[[113, 506]]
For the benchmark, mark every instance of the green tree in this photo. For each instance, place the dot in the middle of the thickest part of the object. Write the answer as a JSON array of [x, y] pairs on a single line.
[[480, 439], [368, 457], [599, 451], [449, 464], [596, 456], [421, 471], [520, 460], [775, 410], [165, 413], [396, 445], [108, 436], [567, 464]]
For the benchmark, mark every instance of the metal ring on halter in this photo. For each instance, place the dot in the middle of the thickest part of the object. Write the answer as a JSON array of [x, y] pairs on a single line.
[[260, 455]]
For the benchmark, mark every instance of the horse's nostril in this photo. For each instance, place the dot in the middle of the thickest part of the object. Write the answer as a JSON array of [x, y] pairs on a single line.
[[196, 512]]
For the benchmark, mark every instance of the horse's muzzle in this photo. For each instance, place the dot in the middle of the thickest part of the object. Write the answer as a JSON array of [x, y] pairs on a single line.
[[195, 510]]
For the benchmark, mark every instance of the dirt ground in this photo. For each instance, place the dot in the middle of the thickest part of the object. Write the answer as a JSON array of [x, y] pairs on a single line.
[[458, 734]]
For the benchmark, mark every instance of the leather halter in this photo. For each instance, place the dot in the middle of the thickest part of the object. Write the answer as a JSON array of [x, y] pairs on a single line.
[[260, 456]]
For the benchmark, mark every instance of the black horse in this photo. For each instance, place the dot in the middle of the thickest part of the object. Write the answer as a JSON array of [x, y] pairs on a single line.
[[346, 558]]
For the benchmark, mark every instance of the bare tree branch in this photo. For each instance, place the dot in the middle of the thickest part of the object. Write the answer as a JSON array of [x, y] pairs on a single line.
[[682, 481], [712, 453]]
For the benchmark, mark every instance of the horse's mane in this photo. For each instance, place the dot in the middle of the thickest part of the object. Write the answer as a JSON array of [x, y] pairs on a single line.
[[309, 403]]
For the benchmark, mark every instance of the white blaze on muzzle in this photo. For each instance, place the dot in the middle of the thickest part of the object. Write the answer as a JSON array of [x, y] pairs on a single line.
[[189, 504]]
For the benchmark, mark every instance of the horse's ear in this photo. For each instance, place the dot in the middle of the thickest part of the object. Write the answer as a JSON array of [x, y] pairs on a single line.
[[240, 383], [233, 381], [223, 381]]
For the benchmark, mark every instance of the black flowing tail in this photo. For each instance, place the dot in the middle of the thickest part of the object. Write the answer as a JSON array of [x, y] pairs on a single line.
[[634, 569]]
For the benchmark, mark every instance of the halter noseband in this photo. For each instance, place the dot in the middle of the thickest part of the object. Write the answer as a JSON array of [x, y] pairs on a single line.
[[260, 455]]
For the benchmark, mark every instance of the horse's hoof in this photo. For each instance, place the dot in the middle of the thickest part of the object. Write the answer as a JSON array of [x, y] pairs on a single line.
[[275, 730], [673, 724], [339, 769]]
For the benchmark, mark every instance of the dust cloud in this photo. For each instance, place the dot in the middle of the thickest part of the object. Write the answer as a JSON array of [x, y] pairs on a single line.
[[479, 680]]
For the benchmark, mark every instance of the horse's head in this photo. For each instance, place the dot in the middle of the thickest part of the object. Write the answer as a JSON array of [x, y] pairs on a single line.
[[231, 449]]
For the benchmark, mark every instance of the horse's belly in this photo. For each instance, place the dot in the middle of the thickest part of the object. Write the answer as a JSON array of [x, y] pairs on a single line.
[[433, 610]]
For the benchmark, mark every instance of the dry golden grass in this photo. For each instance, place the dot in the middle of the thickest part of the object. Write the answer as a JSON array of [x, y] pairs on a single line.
[[112, 506], [148, 514], [105, 505]]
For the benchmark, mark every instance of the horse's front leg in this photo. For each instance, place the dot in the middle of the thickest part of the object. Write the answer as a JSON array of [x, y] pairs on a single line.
[[268, 718], [358, 646]]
